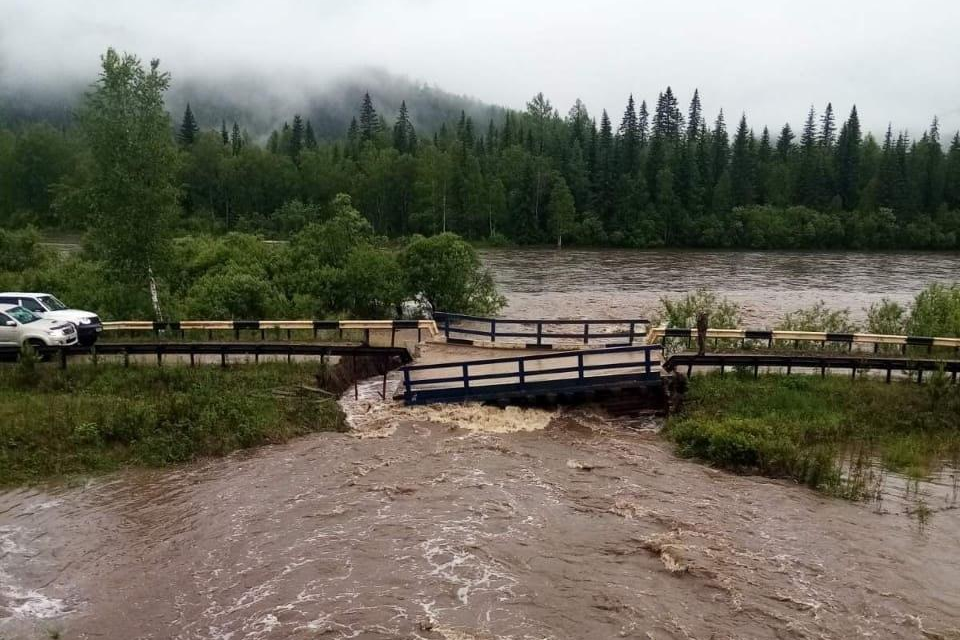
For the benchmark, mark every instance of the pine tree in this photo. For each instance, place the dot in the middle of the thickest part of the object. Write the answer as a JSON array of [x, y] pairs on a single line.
[[404, 137], [188, 128], [369, 122], [809, 137], [762, 167], [309, 138], [667, 120], [828, 127], [785, 142], [720, 153], [236, 142], [848, 160], [741, 167], [605, 180], [952, 178], [224, 136], [643, 124], [296, 137], [629, 138], [694, 115]]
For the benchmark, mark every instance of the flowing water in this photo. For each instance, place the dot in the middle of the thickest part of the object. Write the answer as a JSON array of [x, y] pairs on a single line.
[[628, 284], [477, 523]]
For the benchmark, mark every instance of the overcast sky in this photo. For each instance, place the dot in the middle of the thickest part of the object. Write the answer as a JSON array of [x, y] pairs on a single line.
[[896, 59]]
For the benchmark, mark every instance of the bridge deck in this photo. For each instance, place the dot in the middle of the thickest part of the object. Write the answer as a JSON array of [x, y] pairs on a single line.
[[541, 374]]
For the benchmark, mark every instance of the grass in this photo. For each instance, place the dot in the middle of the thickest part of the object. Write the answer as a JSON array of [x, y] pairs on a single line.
[[94, 419], [819, 432]]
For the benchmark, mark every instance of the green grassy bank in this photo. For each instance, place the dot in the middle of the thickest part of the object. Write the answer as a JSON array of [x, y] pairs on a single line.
[[93, 419], [818, 431]]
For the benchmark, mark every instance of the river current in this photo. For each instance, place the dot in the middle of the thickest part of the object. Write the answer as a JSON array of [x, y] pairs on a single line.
[[468, 523]]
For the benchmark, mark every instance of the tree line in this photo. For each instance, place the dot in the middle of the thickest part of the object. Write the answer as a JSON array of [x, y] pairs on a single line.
[[661, 175]]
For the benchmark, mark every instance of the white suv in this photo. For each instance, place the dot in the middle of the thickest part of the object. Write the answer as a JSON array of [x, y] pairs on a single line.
[[88, 325], [19, 327]]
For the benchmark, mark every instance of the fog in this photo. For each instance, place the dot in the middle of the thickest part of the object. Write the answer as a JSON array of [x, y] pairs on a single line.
[[770, 58]]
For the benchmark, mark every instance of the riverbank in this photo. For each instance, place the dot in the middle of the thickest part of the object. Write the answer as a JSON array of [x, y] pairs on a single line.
[[830, 434], [96, 419]]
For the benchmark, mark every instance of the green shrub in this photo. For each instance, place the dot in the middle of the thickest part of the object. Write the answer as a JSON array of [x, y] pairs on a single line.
[[936, 311], [682, 312], [818, 318], [887, 318]]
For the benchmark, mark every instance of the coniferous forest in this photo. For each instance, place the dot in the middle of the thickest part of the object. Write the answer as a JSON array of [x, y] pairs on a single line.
[[659, 174]]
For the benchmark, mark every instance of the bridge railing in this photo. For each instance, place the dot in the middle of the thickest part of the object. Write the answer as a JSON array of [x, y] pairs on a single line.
[[465, 329], [564, 372], [379, 329], [873, 341]]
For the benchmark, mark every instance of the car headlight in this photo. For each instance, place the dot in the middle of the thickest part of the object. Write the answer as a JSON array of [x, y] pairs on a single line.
[[85, 320]]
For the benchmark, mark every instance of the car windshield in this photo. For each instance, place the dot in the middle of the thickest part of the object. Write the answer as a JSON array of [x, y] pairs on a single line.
[[21, 315], [52, 303]]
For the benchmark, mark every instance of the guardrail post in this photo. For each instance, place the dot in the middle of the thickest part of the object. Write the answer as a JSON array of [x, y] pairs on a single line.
[[446, 327], [539, 334], [633, 329], [580, 366], [93, 354], [466, 378], [889, 373], [63, 358], [520, 370], [493, 330], [406, 382], [586, 333]]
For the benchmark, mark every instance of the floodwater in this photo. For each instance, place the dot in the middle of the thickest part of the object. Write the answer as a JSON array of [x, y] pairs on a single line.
[[475, 523], [619, 283]]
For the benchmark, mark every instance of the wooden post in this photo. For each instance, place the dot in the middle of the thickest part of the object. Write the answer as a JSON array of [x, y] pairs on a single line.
[[384, 393], [580, 366], [93, 355], [192, 360], [539, 334], [920, 375], [586, 332], [446, 327], [889, 373], [466, 377], [63, 358], [633, 330], [223, 358], [353, 367], [159, 357], [126, 358]]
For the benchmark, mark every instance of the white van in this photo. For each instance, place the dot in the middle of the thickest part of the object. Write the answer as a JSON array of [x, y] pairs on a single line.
[[88, 324], [20, 326]]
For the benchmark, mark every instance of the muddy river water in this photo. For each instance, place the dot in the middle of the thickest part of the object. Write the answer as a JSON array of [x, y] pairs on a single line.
[[466, 523]]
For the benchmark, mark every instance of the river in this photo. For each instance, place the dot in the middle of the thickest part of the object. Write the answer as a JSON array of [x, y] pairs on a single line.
[[474, 523], [626, 283]]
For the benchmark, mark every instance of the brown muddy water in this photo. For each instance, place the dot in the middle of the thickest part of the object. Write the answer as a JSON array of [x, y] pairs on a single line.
[[620, 283], [467, 523]]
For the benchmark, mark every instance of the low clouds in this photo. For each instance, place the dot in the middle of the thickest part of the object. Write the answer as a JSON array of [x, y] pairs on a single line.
[[770, 58]]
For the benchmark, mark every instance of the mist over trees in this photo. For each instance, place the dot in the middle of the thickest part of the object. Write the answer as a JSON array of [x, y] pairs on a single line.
[[661, 173]]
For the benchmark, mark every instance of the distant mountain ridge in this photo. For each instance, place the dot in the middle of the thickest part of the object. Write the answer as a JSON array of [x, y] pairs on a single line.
[[259, 105]]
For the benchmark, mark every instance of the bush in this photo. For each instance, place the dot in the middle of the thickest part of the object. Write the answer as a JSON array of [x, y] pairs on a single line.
[[232, 292], [818, 318], [446, 272], [887, 318], [682, 312], [936, 311]]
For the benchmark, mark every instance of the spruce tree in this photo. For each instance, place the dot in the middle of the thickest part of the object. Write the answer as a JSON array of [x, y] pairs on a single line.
[[741, 167], [369, 122], [785, 142], [828, 127], [188, 128], [720, 152], [952, 174], [296, 137], [309, 137], [236, 142], [224, 136], [643, 124], [848, 160], [629, 138], [694, 115], [402, 130]]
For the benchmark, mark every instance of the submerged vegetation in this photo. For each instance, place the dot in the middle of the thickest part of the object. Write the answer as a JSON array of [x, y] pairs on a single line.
[[805, 427], [93, 419]]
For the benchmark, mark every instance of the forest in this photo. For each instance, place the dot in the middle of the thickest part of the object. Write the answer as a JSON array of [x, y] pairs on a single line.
[[659, 175]]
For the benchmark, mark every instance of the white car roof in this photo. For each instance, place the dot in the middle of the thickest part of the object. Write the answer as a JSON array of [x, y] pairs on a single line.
[[23, 293], [7, 307]]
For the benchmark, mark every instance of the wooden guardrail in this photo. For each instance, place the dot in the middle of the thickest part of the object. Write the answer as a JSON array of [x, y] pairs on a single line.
[[537, 334], [771, 337], [237, 326], [542, 374], [821, 363]]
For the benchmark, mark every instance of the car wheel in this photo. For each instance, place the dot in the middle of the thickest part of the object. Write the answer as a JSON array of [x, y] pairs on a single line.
[[38, 347]]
